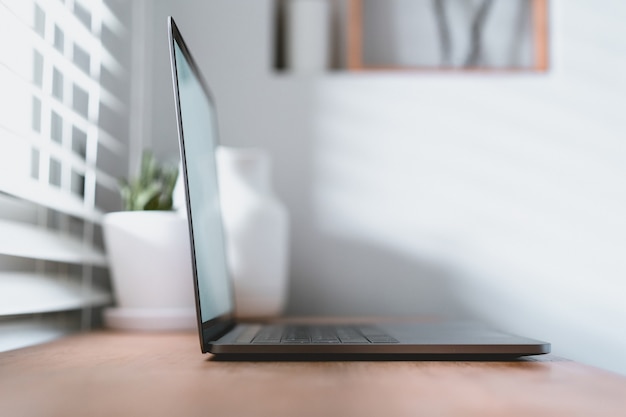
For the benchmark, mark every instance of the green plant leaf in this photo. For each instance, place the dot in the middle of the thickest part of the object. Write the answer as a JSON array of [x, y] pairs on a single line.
[[153, 189]]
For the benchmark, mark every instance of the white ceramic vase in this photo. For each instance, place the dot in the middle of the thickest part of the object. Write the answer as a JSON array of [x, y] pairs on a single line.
[[256, 229], [150, 264]]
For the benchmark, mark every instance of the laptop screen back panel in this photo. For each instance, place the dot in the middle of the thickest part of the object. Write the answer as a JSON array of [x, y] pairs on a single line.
[[198, 139]]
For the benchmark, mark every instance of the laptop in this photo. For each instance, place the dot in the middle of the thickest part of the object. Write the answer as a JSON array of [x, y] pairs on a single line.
[[219, 330]]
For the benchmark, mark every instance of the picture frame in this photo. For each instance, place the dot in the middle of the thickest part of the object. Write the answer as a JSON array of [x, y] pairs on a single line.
[[428, 35]]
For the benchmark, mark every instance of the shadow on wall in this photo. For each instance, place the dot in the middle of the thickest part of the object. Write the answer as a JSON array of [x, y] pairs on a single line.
[[369, 279], [369, 221]]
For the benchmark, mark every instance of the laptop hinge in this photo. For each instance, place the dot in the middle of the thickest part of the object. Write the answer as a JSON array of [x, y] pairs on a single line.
[[217, 330]]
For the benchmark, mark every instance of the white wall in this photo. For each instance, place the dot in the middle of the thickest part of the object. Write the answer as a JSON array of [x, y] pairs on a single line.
[[500, 197]]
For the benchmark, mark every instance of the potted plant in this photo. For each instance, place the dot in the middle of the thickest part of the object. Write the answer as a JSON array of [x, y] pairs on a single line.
[[149, 256]]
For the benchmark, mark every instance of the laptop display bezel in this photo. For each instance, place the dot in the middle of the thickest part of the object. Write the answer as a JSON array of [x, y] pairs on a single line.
[[215, 327]]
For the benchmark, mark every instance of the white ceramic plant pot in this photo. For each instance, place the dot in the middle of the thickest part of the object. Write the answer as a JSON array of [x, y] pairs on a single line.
[[256, 229], [150, 264]]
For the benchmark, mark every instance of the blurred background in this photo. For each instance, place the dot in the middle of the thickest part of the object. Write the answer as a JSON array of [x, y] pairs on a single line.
[[495, 194]]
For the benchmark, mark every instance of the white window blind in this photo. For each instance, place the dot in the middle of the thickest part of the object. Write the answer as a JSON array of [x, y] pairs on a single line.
[[63, 142]]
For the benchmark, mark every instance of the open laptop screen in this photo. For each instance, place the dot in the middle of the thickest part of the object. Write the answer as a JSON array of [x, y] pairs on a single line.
[[198, 137]]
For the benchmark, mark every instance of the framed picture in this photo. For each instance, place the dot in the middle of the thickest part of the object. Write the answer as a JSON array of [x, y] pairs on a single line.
[[483, 35]]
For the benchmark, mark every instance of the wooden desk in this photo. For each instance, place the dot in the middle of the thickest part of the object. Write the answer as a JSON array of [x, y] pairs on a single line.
[[117, 374]]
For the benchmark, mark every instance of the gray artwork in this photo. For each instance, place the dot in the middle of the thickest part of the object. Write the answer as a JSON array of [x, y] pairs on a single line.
[[447, 33]]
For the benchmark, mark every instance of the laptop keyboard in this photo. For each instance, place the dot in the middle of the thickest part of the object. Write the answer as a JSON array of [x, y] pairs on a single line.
[[322, 334]]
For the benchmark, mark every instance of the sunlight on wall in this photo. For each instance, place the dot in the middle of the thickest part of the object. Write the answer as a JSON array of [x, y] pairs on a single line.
[[514, 184]]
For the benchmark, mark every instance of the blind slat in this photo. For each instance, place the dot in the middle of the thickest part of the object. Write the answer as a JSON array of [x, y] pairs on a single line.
[[82, 35], [49, 197], [80, 121], [85, 38], [30, 241], [63, 132], [27, 293], [58, 60], [110, 19], [58, 151], [19, 333]]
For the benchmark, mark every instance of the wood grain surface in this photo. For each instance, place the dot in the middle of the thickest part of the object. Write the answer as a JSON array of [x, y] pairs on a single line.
[[130, 374]]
